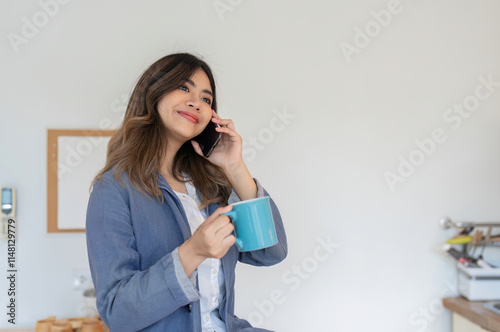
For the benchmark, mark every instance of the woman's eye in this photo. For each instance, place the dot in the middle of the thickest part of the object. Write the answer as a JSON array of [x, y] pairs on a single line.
[[184, 88], [208, 101]]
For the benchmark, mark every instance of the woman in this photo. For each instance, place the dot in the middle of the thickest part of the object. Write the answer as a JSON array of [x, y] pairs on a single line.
[[161, 255]]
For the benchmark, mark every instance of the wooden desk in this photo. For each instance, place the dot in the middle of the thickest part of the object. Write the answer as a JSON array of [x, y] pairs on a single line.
[[474, 312]]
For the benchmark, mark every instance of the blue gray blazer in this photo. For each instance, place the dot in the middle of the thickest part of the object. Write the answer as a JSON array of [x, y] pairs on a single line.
[[132, 244]]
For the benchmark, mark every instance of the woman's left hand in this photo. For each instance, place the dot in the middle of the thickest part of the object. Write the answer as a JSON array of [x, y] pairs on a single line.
[[228, 153], [228, 156]]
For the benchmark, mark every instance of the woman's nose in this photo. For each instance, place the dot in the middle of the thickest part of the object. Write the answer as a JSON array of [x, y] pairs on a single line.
[[193, 102]]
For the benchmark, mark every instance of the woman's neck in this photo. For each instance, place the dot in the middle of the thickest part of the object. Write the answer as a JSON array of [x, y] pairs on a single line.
[[166, 168], [168, 160]]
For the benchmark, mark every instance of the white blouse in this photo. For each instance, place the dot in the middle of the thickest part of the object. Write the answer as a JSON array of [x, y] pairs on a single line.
[[210, 274]]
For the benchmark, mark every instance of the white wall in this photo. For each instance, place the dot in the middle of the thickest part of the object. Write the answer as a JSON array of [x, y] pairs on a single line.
[[351, 120]]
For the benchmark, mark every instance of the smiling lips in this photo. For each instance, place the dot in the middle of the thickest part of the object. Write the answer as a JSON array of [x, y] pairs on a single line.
[[189, 116]]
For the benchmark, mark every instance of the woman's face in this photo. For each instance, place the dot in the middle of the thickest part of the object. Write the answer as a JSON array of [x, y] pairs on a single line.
[[186, 111]]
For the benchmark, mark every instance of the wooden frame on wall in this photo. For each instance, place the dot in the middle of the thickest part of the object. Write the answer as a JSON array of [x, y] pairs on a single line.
[[73, 159]]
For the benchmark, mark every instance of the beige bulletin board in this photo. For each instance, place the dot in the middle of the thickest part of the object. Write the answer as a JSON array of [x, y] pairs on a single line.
[[74, 157]]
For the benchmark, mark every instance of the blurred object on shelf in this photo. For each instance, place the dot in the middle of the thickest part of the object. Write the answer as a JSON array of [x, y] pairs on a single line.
[[76, 324]]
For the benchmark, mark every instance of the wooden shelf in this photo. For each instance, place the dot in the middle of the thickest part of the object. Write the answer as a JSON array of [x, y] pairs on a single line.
[[474, 311]]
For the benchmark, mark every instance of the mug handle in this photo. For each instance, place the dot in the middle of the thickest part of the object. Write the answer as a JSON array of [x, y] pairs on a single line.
[[234, 217]]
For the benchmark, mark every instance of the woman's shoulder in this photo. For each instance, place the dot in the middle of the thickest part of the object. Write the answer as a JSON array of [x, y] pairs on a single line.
[[108, 194], [116, 182], [112, 178]]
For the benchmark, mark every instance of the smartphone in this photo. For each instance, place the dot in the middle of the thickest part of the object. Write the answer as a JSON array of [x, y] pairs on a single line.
[[208, 139]]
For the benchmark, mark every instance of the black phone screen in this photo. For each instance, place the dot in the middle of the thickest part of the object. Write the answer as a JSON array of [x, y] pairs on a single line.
[[208, 138]]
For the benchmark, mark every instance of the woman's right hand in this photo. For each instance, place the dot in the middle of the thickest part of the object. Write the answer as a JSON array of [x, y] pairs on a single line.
[[211, 240]]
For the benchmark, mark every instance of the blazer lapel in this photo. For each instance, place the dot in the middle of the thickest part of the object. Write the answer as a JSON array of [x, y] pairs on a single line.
[[176, 206]]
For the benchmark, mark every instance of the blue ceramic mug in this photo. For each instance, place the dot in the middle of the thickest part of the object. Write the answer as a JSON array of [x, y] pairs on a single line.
[[253, 224]]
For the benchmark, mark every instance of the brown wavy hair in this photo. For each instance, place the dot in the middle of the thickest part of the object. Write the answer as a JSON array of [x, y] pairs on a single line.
[[139, 144]]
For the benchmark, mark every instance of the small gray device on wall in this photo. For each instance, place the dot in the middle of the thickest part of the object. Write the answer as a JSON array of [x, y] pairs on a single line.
[[8, 200]]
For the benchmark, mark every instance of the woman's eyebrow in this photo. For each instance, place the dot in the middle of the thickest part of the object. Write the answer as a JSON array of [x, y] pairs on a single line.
[[194, 85]]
